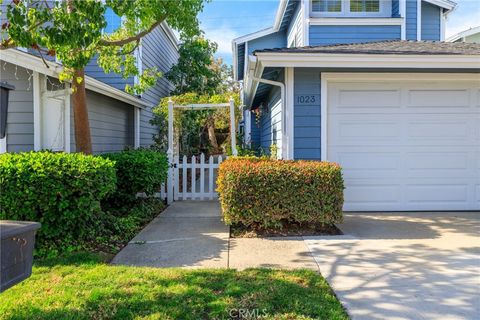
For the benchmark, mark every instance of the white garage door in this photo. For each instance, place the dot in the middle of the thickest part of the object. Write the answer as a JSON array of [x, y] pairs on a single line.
[[406, 145]]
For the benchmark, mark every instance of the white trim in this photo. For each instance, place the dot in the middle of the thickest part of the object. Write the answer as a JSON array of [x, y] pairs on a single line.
[[254, 35], [402, 8], [136, 128], [442, 25], [384, 10], [3, 144], [170, 34], [419, 20], [248, 127], [289, 110], [67, 121], [327, 77], [402, 76], [323, 116], [37, 112], [36, 64], [396, 61], [139, 62], [357, 21], [306, 22], [464, 34], [449, 5]]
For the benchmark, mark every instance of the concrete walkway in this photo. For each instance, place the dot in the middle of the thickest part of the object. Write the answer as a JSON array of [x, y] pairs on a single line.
[[404, 265], [385, 266], [191, 234]]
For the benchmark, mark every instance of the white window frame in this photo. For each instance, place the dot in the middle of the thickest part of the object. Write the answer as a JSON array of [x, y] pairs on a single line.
[[385, 11]]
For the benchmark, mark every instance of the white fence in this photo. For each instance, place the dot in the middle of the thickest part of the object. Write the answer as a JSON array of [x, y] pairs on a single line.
[[192, 178]]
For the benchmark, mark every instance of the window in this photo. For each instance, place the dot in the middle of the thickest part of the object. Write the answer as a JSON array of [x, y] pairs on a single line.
[[327, 5], [351, 8], [364, 5], [113, 21]]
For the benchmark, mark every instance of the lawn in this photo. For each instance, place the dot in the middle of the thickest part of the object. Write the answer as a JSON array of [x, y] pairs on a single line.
[[82, 286]]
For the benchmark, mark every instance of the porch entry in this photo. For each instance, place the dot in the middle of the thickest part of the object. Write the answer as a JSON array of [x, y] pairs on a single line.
[[193, 178]]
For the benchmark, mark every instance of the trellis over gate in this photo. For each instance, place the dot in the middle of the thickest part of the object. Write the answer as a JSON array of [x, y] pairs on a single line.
[[173, 182]]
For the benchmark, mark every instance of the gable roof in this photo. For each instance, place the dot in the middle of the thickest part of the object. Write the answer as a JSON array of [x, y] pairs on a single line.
[[397, 47], [446, 4], [50, 68], [283, 16], [464, 33]]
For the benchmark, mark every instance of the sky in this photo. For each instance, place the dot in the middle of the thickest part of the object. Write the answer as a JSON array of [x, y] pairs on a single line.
[[224, 20]]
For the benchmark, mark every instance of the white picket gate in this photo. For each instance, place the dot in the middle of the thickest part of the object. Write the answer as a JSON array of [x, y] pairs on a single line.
[[192, 178]]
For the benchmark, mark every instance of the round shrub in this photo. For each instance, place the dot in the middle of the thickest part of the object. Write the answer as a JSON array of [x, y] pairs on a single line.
[[139, 170], [61, 191], [264, 193]]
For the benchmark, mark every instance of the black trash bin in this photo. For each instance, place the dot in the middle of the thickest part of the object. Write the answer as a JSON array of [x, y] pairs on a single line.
[[16, 251]]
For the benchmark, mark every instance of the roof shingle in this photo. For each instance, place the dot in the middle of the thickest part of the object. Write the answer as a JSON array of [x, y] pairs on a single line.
[[401, 47]]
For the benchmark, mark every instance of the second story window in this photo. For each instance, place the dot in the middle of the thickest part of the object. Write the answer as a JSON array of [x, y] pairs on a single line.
[[327, 5], [351, 8], [364, 5]]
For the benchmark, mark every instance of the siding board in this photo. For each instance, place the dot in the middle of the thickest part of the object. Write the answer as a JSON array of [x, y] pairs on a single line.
[[411, 19], [20, 109], [307, 117], [430, 22], [324, 35], [111, 124]]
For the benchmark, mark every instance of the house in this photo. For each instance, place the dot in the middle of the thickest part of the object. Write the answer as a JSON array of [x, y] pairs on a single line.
[[369, 84], [40, 115], [469, 35]]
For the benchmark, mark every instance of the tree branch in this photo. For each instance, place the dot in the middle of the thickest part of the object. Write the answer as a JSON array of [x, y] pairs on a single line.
[[136, 37], [7, 44]]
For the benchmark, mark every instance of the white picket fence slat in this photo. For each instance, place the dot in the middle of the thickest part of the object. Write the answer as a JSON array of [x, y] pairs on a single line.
[[202, 178]]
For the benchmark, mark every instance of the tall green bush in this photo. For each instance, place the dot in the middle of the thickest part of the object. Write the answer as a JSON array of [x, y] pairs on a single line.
[[61, 191], [264, 193], [140, 170]]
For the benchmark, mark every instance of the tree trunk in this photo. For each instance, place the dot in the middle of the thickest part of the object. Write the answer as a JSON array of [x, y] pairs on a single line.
[[211, 133], [83, 141]]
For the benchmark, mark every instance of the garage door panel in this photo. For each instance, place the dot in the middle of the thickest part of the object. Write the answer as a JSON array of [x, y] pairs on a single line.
[[367, 193], [458, 99], [406, 146], [358, 99], [367, 129], [439, 129], [436, 192], [367, 165]]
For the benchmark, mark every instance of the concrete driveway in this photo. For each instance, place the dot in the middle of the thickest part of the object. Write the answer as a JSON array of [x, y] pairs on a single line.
[[404, 265]]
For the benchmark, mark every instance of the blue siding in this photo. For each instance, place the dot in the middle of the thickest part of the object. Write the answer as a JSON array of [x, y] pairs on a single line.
[[323, 35], [254, 133], [395, 8], [271, 121], [274, 40], [307, 115], [430, 22], [411, 12]]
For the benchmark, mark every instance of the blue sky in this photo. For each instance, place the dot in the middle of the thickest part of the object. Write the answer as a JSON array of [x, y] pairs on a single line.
[[223, 20]]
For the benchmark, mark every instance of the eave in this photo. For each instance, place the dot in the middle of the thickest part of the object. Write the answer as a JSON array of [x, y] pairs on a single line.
[[53, 69]]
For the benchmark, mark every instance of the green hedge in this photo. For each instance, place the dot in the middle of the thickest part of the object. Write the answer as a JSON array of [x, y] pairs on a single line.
[[140, 170], [61, 191], [263, 193]]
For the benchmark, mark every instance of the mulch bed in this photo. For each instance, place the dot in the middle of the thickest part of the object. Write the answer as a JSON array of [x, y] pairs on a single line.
[[288, 230]]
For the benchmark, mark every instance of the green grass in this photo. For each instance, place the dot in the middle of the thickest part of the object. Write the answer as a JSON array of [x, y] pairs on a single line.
[[81, 286]]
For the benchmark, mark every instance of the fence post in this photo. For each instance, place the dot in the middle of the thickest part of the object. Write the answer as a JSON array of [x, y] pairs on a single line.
[[233, 134], [170, 153]]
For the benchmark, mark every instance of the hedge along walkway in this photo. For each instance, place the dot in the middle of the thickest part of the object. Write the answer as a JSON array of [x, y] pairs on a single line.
[[191, 234]]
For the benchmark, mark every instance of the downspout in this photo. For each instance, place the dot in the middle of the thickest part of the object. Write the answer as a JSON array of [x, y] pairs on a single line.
[[283, 104]]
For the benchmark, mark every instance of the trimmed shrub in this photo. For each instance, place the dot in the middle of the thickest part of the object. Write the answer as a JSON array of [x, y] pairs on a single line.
[[139, 170], [263, 193], [61, 191]]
